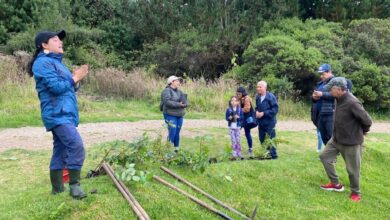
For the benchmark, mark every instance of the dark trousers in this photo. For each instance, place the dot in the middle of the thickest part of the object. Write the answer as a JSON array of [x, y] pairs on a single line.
[[263, 131], [68, 150], [325, 125], [248, 136], [174, 126], [352, 156]]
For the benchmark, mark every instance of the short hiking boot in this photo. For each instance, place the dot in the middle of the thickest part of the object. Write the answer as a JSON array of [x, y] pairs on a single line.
[[355, 197], [74, 185], [57, 186], [333, 187]]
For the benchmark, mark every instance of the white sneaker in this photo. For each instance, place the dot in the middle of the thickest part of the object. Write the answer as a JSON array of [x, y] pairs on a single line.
[[250, 153]]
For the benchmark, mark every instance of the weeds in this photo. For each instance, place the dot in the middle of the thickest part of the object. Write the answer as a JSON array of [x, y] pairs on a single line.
[[145, 153]]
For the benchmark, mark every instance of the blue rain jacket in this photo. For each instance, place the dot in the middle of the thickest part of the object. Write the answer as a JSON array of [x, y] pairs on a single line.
[[56, 91]]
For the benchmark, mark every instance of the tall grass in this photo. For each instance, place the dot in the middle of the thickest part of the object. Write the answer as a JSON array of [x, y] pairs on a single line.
[[209, 97], [203, 96], [18, 99], [127, 85], [139, 84]]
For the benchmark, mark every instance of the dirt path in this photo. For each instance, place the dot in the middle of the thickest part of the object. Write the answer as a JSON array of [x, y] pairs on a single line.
[[92, 133]]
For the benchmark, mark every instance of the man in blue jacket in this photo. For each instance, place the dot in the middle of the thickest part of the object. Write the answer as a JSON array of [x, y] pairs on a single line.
[[266, 110], [324, 102]]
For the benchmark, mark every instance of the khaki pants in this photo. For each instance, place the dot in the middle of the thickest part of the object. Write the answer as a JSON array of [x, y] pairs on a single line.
[[352, 156]]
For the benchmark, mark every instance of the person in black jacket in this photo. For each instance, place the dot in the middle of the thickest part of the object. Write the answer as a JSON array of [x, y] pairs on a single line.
[[324, 102]]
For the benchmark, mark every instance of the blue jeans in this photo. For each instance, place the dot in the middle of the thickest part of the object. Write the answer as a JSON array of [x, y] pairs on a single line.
[[272, 134], [174, 126], [325, 125], [319, 143], [68, 150]]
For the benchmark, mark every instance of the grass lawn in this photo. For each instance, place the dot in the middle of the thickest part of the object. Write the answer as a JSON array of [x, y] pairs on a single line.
[[287, 188]]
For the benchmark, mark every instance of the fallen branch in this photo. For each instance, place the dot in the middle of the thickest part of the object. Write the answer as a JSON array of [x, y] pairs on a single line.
[[137, 208], [196, 200]]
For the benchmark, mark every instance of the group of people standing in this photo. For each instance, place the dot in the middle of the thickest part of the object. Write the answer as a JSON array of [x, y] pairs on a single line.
[[242, 114], [339, 116]]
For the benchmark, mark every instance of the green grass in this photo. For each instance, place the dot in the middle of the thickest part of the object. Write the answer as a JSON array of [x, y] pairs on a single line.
[[287, 188]]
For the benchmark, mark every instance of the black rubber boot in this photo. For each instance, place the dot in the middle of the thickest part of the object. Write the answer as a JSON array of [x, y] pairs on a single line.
[[57, 186], [74, 185]]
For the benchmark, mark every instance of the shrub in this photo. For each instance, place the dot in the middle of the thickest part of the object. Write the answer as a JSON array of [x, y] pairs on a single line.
[[280, 56], [371, 84], [193, 54], [369, 39]]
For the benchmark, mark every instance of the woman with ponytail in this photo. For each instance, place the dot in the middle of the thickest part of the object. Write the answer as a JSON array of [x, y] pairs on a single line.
[[55, 85], [29, 69]]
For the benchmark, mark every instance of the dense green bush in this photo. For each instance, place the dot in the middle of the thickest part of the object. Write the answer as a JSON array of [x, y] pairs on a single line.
[[371, 85], [292, 50], [280, 56], [192, 53], [369, 39], [367, 63]]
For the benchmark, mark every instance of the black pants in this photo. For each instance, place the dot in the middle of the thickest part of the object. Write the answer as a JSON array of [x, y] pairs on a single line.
[[263, 131], [325, 125]]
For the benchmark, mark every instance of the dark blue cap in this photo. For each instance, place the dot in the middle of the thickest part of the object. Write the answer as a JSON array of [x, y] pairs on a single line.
[[324, 68], [44, 36]]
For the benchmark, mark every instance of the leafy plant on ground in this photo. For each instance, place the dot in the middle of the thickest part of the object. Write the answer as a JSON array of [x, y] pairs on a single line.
[[198, 161], [146, 152], [129, 173], [266, 145]]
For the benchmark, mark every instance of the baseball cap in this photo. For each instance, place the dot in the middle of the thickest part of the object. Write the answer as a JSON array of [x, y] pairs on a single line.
[[172, 78], [324, 68], [44, 36]]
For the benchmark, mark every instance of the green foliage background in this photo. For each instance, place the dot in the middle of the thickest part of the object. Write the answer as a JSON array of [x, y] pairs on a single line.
[[281, 41]]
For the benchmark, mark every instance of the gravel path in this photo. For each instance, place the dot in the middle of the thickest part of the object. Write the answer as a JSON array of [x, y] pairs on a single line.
[[37, 138]]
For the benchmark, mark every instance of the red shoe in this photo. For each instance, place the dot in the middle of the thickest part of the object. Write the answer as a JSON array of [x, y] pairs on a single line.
[[356, 197], [333, 187]]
